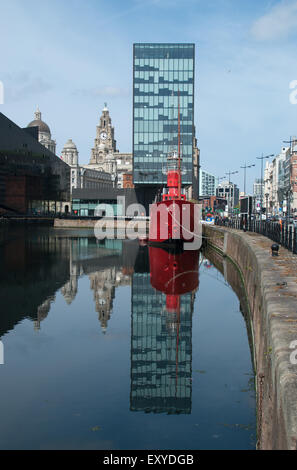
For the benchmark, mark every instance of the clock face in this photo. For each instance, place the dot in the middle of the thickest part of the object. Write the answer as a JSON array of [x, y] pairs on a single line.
[[103, 136]]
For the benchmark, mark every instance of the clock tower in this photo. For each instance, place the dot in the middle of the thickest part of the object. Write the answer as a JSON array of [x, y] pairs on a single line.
[[105, 143]]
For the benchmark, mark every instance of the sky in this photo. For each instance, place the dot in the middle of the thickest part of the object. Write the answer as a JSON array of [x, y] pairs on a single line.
[[69, 57]]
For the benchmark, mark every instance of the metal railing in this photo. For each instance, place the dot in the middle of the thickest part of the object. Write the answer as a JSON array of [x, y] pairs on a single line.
[[285, 234]]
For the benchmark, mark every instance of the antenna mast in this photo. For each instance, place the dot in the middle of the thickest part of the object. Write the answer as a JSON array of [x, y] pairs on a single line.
[[179, 172]]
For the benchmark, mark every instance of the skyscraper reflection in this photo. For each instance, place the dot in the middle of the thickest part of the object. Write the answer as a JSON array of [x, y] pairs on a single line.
[[161, 334]]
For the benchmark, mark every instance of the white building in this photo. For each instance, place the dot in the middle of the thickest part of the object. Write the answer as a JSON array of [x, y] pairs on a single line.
[[81, 176], [258, 188], [124, 165], [274, 193], [44, 133], [207, 184], [290, 179]]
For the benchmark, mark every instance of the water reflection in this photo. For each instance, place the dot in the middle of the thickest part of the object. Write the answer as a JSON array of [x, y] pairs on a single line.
[[163, 292], [35, 266], [161, 336], [103, 262], [153, 361]]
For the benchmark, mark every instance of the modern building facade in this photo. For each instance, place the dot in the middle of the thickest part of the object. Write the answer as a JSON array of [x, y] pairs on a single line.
[[280, 183], [207, 184], [258, 188], [163, 76], [276, 184], [32, 178], [290, 179], [85, 201], [230, 192], [293, 178]]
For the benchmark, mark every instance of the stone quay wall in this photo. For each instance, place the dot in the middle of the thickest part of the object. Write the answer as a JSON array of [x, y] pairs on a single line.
[[90, 223], [271, 290]]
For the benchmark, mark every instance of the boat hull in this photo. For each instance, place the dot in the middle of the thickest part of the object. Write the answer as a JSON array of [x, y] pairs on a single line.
[[173, 273], [172, 221]]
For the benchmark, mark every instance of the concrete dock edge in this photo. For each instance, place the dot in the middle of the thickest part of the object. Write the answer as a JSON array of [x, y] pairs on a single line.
[[271, 287]]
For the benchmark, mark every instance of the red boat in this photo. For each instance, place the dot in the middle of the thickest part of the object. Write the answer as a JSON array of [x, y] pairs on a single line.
[[174, 273], [172, 218]]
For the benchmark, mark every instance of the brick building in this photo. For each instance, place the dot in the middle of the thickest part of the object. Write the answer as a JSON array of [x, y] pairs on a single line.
[[32, 178], [128, 180]]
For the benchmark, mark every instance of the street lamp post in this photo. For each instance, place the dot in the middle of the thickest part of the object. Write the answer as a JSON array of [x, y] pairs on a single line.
[[218, 178], [266, 195], [245, 166], [262, 181], [288, 214]]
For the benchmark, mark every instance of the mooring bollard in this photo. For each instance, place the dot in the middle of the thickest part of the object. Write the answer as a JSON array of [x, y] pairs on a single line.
[[274, 249]]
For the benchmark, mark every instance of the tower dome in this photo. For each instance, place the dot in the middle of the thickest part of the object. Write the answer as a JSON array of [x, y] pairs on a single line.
[[70, 145], [44, 132], [37, 122], [70, 153]]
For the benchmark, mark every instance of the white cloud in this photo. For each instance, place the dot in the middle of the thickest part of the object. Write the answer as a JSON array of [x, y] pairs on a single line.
[[278, 23], [103, 91], [22, 86], [161, 3]]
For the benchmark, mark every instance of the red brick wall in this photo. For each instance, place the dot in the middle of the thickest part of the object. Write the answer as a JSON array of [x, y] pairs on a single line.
[[15, 193], [19, 190], [128, 180]]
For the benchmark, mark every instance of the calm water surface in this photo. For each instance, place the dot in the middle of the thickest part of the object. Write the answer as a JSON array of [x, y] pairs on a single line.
[[97, 357]]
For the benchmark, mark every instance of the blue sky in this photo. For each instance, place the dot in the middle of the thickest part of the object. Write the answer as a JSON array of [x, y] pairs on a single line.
[[69, 57]]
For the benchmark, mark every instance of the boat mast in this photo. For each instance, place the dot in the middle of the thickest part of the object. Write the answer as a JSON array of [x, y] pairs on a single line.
[[179, 172]]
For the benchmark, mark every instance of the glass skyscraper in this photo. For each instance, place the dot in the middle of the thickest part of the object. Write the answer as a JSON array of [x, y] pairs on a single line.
[[162, 75]]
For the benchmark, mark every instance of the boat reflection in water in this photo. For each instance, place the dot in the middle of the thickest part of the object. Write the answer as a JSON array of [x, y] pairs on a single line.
[[161, 350], [174, 273]]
